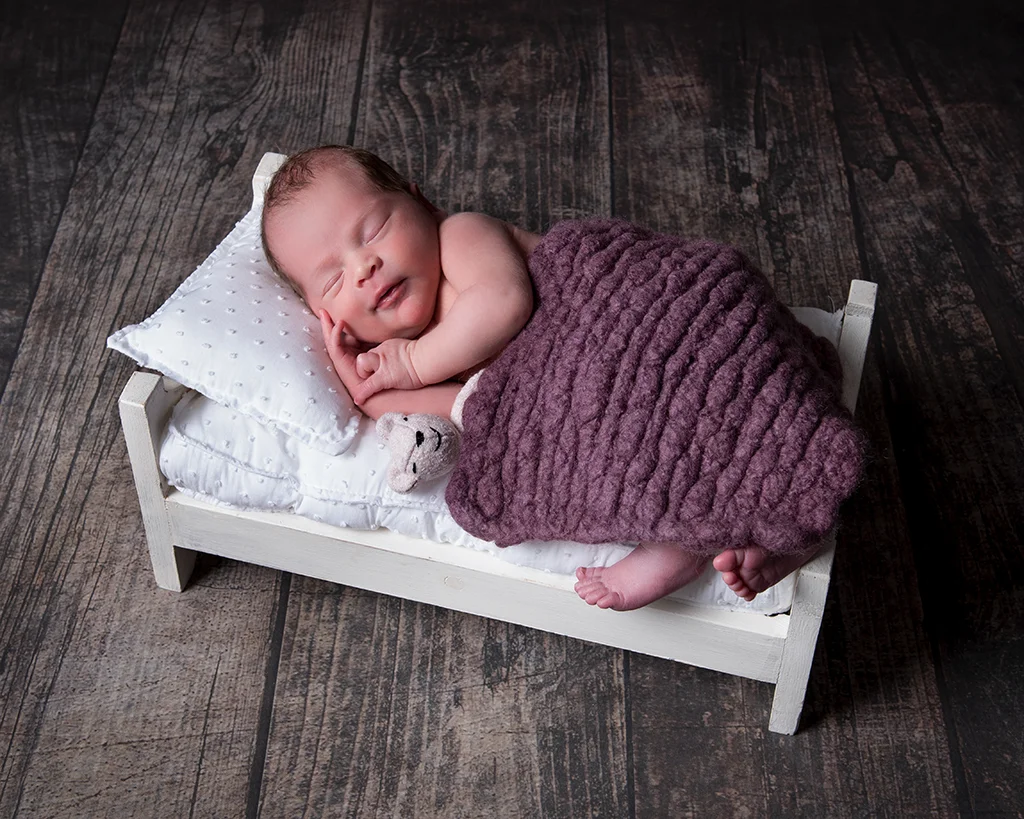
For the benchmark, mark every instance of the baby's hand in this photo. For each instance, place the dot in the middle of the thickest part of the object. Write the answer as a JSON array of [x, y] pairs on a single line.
[[342, 352], [388, 366]]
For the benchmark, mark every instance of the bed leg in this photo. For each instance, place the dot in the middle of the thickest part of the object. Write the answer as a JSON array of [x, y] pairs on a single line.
[[145, 404], [173, 570], [172, 565], [798, 652]]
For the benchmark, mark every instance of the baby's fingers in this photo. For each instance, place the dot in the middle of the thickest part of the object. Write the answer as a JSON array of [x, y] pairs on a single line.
[[367, 364], [337, 336], [331, 331], [342, 356], [368, 387]]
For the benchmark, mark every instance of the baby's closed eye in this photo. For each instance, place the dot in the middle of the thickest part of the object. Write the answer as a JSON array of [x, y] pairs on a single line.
[[375, 226], [333, 281]]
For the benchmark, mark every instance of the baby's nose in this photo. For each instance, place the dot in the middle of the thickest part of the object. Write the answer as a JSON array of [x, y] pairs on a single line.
[[367, 267]]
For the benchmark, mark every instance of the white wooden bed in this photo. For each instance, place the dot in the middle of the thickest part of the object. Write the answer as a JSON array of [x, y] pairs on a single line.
[[777, 649]]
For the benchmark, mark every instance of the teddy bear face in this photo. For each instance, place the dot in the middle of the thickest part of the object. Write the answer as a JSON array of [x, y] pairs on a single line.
[[423, 447]]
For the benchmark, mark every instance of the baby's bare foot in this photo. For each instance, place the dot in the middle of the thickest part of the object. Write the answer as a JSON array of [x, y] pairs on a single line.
[[650, 571], [752, 570]]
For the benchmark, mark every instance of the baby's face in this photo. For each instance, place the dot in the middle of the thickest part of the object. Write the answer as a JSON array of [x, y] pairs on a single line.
[[370, 258]]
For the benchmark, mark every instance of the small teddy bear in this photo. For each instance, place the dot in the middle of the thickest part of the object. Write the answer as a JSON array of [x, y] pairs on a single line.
[[423, 447]]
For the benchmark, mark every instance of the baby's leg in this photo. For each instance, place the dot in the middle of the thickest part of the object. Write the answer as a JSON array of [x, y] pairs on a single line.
[[752, 570], [650, 571]]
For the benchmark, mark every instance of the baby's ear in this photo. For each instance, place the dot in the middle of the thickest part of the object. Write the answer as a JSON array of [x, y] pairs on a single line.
[[435, 211]]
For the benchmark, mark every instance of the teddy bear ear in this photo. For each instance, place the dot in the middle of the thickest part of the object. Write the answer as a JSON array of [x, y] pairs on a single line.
[[401, 481], [386, 423]]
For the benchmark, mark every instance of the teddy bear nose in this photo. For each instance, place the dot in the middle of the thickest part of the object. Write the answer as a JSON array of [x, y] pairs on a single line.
[[419, 438]]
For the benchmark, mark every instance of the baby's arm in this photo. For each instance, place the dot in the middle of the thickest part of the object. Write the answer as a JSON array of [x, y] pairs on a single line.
[[495, 298], [436, 399], [487, 269]]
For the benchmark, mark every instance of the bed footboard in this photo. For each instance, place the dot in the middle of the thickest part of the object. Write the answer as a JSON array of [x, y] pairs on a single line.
[[813, 579]]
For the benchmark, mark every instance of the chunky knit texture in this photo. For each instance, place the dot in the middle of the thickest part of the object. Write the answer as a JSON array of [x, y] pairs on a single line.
[[659, 392]]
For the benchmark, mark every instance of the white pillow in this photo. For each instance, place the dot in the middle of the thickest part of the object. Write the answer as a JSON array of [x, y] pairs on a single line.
[[238, 334]]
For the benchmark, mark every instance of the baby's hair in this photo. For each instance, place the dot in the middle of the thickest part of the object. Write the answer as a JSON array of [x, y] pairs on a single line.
[[301, 169]]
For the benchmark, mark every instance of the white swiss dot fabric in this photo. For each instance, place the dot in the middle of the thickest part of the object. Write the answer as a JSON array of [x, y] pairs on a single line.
[[238, 334]]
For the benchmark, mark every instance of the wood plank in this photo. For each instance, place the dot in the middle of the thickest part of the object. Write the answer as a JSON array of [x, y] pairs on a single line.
[[117, 699], [385, 707], [916, 112], [746, 151], [503, 112], [53, 60]]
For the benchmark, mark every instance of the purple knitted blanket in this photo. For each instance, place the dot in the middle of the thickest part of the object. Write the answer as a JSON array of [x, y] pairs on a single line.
[[659, 392]]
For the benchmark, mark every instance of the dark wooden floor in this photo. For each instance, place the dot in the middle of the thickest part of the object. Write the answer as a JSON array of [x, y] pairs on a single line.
[[880, 141]]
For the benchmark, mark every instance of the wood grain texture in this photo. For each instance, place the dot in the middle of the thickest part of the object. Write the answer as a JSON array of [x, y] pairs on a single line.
[[504, 112], [53, 61], [942, 248], [747, 151], [713, 138], [391, 708], [385, 707], [118, 699], [863, 139]]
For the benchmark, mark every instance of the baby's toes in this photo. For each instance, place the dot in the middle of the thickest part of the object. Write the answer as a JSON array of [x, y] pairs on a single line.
[[744, 591], [609, 600], [589, 573], [587, 588], [727, 562], [591, 591]]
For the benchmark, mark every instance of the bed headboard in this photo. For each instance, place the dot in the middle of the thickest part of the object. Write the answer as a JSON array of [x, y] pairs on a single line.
[[264, 171]]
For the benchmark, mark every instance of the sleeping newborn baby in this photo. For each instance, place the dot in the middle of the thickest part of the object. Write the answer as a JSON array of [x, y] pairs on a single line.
[[411, 302]]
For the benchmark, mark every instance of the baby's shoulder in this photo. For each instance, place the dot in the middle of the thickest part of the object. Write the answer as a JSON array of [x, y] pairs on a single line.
[[469, 230], [469, 225]]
